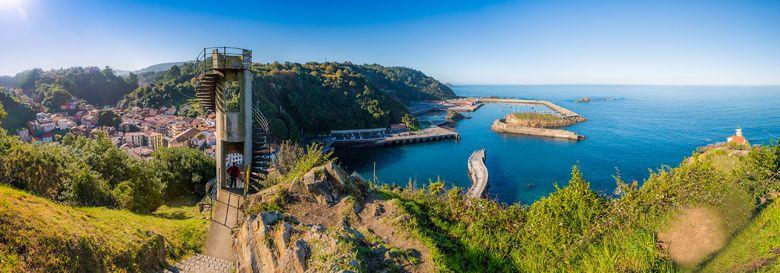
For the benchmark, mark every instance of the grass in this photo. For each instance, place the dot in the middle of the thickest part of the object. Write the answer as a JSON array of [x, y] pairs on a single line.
[[536, 116], [756, 248], [38, 235]]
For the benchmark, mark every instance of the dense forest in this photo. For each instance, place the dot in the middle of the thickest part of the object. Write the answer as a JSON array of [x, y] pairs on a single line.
[[96, 86], [305, 99]]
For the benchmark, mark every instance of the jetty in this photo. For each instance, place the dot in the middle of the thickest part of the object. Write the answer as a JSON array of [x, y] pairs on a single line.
[[478, 174], [502, 127]]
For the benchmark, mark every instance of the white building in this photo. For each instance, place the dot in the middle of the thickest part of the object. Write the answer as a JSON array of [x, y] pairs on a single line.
[[237, 158], [136, 138]]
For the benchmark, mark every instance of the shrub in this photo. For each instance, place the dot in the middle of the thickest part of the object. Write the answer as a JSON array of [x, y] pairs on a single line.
[[183, 171]]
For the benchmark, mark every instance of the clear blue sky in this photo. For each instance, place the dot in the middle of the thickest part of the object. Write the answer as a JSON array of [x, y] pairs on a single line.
[[502, 42]]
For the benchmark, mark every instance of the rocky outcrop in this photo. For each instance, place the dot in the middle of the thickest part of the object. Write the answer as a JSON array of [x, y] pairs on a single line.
[[327, 184], [330, 221], [264, 244]]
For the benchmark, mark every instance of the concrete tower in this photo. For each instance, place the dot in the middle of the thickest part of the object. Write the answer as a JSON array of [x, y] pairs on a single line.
[[224, 86]]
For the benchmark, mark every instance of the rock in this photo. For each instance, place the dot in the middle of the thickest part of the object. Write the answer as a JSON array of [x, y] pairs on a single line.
[[379, 210], [295, 259], [296, 186], [356, 185], [317, 228], [338, 175], [282, 237], [354, 263], [354, 232], [270, 217], [318, 186]]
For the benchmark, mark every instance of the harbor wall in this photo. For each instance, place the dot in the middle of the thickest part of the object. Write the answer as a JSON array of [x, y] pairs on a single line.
[[502, 127]]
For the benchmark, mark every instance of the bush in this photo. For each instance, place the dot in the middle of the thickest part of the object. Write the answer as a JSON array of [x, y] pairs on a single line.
[[183, 171], [92, 172]]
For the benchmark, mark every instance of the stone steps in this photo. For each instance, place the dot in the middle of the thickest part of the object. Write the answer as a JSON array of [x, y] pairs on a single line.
[[200, 263]]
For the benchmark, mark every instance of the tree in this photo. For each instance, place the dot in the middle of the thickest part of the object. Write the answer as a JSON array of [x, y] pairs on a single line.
[[2, 113], [147, 187], [108, 118], [53, 96], [183, 170], [410, 122]]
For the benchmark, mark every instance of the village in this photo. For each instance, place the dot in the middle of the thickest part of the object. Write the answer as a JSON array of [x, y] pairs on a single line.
[[137, 131]]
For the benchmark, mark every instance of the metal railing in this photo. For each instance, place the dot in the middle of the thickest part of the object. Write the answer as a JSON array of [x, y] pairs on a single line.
[[223, 58]]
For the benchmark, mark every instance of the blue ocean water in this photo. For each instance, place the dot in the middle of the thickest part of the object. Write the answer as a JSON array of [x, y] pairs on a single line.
[[642, 129]]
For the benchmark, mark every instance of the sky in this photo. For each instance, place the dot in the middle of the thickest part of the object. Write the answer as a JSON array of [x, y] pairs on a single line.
[[462, 42]]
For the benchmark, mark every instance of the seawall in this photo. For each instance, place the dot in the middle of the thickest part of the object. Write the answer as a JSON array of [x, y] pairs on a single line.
[[503, 127]]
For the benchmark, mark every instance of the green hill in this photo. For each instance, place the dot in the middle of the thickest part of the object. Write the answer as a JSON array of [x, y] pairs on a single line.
[[96, 86], [754, 249], [19, 113], [308, 98], [37, 235]]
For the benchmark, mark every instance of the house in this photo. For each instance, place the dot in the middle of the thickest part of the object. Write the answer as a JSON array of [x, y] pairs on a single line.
[[737, 139], [398, 128], [138, 139], [140, 152], [155, 141], [183, 138]]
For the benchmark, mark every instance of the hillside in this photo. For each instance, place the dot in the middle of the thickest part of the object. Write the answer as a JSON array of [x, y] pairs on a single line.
[[37, 235], [96, 86], [18, 112], [696, 216], [308, 98], [159, 67]]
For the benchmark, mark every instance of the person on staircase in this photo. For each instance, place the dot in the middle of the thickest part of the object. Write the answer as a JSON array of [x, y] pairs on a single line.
[[234, 173]]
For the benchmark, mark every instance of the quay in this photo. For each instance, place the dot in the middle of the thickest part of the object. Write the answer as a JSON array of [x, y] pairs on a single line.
[[424, 135], [382, 137], [503, 127], [478, 174]]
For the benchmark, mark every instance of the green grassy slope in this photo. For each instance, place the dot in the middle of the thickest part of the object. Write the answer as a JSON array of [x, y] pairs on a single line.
[[756, 248], [37, 235]]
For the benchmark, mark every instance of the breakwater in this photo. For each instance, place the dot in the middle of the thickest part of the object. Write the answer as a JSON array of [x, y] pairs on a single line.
[[502, 127], [478, 174]]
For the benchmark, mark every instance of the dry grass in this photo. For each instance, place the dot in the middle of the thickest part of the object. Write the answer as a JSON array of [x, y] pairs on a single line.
[[692, 235]]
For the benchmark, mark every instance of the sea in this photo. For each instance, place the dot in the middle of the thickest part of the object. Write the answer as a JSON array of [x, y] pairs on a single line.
[[631, 131]]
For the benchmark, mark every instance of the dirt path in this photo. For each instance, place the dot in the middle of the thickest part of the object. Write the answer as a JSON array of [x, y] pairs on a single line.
[[692, 235]]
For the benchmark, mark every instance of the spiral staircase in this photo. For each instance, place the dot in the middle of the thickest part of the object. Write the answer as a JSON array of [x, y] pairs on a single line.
[[206, 89], [214, 64]]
